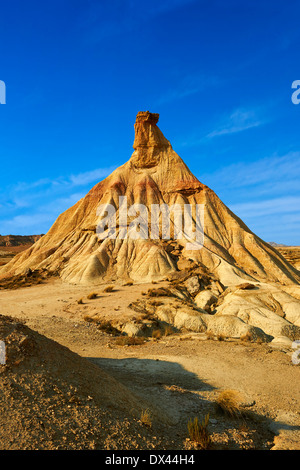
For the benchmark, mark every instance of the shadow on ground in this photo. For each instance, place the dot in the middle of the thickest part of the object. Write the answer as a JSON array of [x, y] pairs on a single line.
[[182, 395]]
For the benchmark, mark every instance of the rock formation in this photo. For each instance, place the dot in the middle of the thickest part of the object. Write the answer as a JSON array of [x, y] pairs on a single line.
[[155, 174]]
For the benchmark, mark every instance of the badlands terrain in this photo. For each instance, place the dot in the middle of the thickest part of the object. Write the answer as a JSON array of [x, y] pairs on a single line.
[[117, 343]]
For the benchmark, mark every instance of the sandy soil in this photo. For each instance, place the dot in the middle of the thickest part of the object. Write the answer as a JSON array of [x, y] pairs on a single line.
[[181, 373]]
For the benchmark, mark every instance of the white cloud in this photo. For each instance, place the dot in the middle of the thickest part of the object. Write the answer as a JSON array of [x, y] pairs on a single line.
[[29, 208], [265, 194], [269, 173], [281, 205], [240, 120]]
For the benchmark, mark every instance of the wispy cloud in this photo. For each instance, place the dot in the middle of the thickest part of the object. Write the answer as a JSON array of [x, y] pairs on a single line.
[[269, 173], [238, 121], [279, 205], [265, 194], [32, 207]]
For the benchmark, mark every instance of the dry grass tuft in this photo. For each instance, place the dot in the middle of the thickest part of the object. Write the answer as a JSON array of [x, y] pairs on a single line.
[[103, 325], [92, 295], [108, 289], [146, 418], [228, 403], [129, 283], [130, 340], [199, 434], [160, 292]]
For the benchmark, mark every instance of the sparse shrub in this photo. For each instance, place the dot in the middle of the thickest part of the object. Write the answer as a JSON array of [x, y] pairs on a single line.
[[146, 418], [129, 283], [108, 289], [92, 295], [80, 301], [107, 327], [159, 292], [198, 432], [130, 340], [228, 403]]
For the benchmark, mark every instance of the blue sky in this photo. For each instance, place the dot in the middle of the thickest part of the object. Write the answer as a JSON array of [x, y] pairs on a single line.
[[218, 72]]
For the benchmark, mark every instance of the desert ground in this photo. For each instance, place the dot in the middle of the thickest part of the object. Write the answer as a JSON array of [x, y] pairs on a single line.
[[178, 376]]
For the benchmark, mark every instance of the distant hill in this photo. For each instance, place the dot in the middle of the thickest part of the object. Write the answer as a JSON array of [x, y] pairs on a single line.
[[18, 240], [276, 244]]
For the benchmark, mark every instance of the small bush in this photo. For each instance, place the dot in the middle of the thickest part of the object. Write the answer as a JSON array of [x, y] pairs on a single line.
[[159, 292], [107, 327], [92, 295], [228, 403], [80, 301], [129, 283], [108, 289], [198, 432], [146, 418], [130, 340]]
